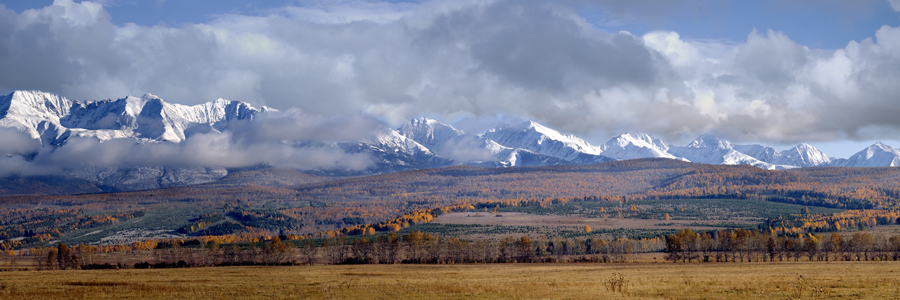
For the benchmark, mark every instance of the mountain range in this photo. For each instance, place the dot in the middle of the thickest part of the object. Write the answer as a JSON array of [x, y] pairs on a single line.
[[50, 122]]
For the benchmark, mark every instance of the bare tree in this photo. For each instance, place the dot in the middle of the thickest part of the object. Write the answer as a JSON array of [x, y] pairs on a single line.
[[309, 252]]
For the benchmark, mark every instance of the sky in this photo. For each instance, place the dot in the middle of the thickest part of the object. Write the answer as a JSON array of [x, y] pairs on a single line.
[[771, 72]]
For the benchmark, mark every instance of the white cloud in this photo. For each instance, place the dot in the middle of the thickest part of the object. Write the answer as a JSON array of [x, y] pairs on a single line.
[[466, 59], [293, 140], [895, 4]]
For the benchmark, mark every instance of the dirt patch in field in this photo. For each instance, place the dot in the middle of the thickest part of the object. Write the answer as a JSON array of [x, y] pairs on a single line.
[[524, 219]]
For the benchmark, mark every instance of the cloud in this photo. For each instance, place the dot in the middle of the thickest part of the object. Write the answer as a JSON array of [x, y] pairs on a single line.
[[269, 141], [465, 148], [17, 143], [370, 62], [895, 4], [295, 125]]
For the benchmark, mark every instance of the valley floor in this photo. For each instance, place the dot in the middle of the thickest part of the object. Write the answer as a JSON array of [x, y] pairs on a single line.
[[782, 280]]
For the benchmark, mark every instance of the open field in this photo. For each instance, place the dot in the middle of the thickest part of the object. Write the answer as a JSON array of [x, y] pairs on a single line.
[[803, 280]]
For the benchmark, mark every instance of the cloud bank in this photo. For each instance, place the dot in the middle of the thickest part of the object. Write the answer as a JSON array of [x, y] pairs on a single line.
[[470, 60], [288, 140]]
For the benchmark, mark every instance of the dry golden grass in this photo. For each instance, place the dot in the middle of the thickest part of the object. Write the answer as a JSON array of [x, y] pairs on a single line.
[[847, 280]]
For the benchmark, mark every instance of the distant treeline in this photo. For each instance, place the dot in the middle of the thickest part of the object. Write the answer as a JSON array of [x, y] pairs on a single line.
[[413, 248], [760, 246], [686, 246]]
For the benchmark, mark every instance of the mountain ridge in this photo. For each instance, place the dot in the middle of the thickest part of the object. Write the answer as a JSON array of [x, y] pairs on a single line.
[[420, 143]]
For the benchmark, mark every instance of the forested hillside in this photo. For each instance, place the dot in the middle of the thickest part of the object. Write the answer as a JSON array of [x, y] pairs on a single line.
[[271, 201]]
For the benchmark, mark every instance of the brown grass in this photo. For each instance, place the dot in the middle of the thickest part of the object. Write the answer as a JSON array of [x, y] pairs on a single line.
[[804, 280]]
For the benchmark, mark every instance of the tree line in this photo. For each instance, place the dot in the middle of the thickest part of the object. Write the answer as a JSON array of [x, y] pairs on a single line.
[[740, 245], [411, 248]]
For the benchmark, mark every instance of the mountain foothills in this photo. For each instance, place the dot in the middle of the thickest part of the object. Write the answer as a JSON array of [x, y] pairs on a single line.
[[48, 135]]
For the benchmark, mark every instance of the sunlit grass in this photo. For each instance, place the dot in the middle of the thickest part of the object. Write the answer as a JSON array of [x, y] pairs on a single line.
[[782, 280]]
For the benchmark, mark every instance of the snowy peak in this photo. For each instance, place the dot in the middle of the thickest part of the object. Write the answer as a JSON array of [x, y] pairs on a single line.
[[802, 155], [710, 141], [37, 104], [26, 110], [542, 140], [429, 132], [638, 139], [709, 149], [805, 155], [449, 142], [632, 145], [877, 155], [881, 146], [49, 117]]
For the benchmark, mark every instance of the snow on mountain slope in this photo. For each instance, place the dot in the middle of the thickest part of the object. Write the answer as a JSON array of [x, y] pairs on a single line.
[[420, 143], [52, 120], [389, 152], [539, 139], [635, 145], [449, 142], [760, 152], [429, 132], [804, 155], [50, 117], [33, 112], [709, 149], [391, 139], [523, 158], [877, 155]]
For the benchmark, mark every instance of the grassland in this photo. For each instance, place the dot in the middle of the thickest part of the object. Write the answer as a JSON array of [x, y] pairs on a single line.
[[800, 280]]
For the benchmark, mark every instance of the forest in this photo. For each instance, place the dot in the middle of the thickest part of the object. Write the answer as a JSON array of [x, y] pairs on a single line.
[[249, 208]]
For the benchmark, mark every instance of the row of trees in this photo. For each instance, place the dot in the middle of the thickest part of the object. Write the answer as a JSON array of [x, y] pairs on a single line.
[[417, 247], [753, 245], [414, 247]]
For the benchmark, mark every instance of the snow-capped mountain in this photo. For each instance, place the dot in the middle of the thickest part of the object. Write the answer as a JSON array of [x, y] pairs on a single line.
[[539, 139], [632, 145], [877, 155], [709, 149], [449, 142], [802, 155], [53, 122], [52, 118], [429, 132], [805, 155], [391, 152]]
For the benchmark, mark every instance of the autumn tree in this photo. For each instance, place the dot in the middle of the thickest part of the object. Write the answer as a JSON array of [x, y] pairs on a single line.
[[836, 245], [674, 247], [862, 243], [525, 252], [65, 257], [811, 246], [51, 258]]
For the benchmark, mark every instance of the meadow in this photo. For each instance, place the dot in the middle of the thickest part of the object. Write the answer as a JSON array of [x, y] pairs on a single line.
[[646, 280]]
